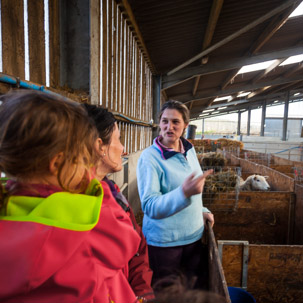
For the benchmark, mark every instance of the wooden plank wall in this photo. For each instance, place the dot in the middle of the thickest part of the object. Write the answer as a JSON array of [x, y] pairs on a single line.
[[260, 217], [122, 80], [298, 228], [19, 56], [275, 272], [278, 181]]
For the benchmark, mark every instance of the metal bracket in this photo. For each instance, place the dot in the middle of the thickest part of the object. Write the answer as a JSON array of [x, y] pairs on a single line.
[[245, 255]]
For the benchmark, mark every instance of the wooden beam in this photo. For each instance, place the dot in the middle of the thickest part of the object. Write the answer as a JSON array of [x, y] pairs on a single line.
[[273, 27], [283, 87], [257, 92], [294, 69], [196, 84], [268, 70], [186, 98], [211, 26], [238, 33], [190, 72], [138, 33]]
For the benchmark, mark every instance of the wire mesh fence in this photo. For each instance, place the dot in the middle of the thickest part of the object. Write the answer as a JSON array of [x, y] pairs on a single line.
[[233, 150], [298, 174], [222, 187], [259, 158]]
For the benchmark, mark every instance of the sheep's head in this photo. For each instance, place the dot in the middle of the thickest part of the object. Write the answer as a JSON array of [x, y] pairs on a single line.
[[259, 182]]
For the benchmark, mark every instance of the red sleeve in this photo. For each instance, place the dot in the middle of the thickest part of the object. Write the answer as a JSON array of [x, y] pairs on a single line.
[[140, 274]]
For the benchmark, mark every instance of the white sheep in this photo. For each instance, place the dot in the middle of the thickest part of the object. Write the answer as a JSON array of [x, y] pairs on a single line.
[[254, 183]]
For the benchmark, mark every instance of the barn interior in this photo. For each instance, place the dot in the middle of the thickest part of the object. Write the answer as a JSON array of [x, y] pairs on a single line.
[[132, 56]]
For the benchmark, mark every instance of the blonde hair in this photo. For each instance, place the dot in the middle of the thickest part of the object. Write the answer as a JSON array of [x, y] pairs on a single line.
[[35, 127]]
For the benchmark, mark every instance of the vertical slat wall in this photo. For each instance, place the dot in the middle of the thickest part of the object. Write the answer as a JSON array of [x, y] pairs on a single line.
[[24, 40], [120, 75], [124, 78]]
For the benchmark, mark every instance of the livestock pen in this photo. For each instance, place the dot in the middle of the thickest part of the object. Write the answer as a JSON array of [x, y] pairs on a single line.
[[131, 56], [258, 241]]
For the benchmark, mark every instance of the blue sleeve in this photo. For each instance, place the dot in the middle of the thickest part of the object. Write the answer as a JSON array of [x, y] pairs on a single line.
[[155, 204]]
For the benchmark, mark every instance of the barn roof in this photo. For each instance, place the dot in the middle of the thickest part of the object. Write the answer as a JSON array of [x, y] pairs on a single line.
[[198, 47]]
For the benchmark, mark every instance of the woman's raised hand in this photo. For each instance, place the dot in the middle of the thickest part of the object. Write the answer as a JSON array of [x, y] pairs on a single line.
[[193, 186]]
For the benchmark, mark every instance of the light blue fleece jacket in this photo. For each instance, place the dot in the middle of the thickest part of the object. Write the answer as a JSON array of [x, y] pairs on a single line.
[[170, 219]]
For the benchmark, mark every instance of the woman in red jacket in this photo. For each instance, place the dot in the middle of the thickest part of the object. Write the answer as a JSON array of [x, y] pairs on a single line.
[[110, 152], [55, 245]]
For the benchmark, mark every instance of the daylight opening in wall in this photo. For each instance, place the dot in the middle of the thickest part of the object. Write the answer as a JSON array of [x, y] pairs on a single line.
[[46, 32], [26, 47]]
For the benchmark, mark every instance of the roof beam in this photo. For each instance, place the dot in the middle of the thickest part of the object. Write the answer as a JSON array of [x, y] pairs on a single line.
[[294, 69], [269, 31], [190, 72], [234, 35], [258, 91], [210, 30], [268, 70], [185, 98]]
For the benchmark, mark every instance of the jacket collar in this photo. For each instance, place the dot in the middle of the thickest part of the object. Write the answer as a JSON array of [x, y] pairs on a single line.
[[167, 153]]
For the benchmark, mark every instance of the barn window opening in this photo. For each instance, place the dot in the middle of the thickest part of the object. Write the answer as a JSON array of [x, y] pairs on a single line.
[[223, 98], [298, 11], [26, 46], [243, 94], [46, 35], [292, 59], [255, 67]]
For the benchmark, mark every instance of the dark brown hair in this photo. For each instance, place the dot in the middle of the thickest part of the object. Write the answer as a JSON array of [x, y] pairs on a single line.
[[104, 121], [35, 127], [180, 107]]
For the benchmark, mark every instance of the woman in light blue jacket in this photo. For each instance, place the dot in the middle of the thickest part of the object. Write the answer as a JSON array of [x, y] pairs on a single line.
[[170, 183]]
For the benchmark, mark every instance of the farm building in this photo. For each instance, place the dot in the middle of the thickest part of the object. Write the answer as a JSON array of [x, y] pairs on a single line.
[[131, 56]]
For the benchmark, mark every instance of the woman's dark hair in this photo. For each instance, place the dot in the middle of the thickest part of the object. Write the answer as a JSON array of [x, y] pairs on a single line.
[[104, 121], [180, 107]]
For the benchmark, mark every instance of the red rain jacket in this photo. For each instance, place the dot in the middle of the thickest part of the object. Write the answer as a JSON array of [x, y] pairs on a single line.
[[139, 272], [59, 248]]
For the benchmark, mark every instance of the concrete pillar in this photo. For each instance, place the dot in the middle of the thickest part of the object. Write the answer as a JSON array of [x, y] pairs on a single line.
[[156, 103], [248, 121], [239, 124], [285, 118], [263, 118]]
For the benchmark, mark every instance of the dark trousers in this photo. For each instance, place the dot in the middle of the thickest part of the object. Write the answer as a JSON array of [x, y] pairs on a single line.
[[189, 260]]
